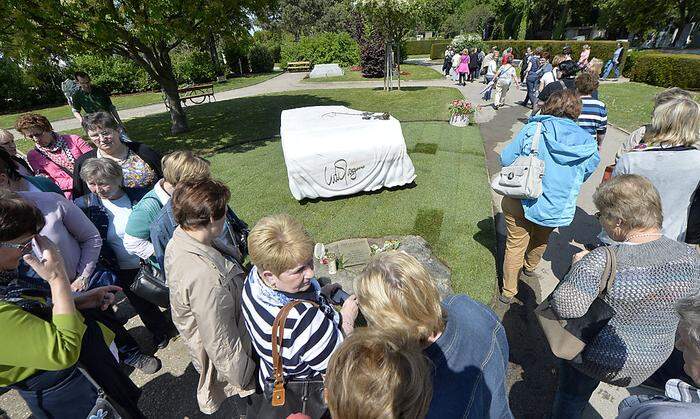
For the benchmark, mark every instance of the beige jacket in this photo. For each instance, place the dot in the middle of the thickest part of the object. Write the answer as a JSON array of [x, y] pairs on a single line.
[[205, 301]]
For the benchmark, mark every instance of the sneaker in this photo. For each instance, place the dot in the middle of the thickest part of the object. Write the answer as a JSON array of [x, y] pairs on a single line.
[[146, 363]]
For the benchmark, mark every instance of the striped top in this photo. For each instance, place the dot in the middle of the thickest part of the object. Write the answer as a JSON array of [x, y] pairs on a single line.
[[311, 334], [594, 116]]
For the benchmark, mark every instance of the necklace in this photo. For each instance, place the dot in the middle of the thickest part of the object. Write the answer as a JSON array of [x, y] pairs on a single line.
[[634, 236]]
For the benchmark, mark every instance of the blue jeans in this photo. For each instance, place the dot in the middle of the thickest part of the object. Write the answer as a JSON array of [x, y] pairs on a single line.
[[532, 93], [487, 94], [609, 67], [575, 388], [58, 394]]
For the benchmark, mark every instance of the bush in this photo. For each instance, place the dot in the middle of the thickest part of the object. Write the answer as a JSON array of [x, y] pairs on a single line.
[[323, 48], [372, 55], [665, 70], [260, 59], [421, 47], [13, 92], [112, 73], [192, 66], [468, 42], [236, 53], [599, 49], [437, 50]]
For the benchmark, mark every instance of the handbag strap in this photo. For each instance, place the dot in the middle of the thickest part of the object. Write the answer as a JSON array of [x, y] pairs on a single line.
[[535, 146], [610, 271], [278, 396]]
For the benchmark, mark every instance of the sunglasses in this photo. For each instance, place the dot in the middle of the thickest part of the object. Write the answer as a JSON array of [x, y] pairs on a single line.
[[24, 248]]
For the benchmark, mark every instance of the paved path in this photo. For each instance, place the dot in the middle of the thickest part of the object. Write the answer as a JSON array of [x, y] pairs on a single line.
[[531, 381]]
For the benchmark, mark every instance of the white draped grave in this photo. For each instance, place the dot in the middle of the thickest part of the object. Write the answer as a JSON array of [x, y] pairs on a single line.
[[331, 151]]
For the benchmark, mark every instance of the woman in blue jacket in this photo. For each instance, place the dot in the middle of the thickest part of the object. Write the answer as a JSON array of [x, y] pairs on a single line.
[[570, 156]]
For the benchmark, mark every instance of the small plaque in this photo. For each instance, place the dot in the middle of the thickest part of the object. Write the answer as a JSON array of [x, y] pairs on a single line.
[[353, 251]]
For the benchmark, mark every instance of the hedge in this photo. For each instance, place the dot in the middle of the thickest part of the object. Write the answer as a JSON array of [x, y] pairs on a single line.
[[421, 47], [324, 48], [664, 70], [599, 49]]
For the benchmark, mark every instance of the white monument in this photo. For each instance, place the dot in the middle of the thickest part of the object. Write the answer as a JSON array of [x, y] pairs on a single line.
[[326, 70]]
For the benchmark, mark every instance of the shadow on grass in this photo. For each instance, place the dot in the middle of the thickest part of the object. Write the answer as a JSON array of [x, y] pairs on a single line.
[[218, 125], [307, 201]]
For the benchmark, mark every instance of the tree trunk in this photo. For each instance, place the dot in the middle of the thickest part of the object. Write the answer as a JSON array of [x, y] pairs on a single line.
[[398, 62], [211, 43], [178, 118], [387, 66]]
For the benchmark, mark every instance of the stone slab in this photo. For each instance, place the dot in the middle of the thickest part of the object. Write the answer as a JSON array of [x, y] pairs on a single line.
[[415, 246], [326, 70]]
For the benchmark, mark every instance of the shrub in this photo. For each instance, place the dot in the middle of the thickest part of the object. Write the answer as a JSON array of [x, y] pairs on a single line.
[[113, 73], [13, 92], [323, 48], [192, 66], [666, 70], [422, 47], [372, 55], [260, 59], [467, 41], [236, 53]]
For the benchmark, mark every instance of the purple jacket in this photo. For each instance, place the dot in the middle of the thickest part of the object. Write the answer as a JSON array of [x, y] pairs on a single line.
[[70, 229]]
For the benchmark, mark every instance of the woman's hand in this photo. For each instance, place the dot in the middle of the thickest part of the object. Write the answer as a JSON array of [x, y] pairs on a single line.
[[578, 256], [50, 268], [349, 313], [80, 284], [101, 297]]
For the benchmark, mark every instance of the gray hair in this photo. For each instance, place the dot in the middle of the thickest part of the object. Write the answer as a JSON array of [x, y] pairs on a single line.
[[688, 309], [632, 199], [102, 170], [670, 94]]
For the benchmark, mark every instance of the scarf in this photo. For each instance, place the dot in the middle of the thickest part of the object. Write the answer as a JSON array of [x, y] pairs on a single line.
[[265, 295], [60, 151], [24, 294]]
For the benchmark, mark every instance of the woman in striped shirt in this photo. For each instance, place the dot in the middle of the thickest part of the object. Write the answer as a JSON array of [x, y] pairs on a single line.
[[282, 255]]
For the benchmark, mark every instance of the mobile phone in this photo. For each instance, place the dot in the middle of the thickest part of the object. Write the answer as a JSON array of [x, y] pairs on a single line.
[[339, 296]]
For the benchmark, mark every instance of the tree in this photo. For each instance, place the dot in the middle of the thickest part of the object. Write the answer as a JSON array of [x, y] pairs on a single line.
[[393, 19], [639, 17], [145, 32], [309, 17]]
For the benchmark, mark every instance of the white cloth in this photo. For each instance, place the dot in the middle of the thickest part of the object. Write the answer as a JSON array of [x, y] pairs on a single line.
[[491, 70], [331, 151], [548, 77], [506, 74], [118, 211]]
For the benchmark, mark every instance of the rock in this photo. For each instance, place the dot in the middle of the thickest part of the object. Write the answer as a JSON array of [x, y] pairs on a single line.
[[415, 246], [326, 70]]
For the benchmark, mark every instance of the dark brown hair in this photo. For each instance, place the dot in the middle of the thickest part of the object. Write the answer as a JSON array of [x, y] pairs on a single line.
[[8, 166], [33, 120], [586, 83], [18, 217], [563, 103], [196, 203], [545, 55], [99, 120]]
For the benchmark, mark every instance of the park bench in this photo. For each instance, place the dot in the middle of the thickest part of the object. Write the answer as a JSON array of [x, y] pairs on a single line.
[[298, 66], [196, 93]]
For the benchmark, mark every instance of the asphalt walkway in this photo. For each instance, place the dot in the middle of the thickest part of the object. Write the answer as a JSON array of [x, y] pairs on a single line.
[[531, 381]]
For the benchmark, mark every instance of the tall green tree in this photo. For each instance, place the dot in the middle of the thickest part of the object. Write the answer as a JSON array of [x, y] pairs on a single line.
[[640, 16], [308, 17], [143, 31]]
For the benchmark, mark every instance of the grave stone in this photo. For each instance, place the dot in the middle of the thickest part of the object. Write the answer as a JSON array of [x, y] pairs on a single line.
[[359, 249], [326, 70]]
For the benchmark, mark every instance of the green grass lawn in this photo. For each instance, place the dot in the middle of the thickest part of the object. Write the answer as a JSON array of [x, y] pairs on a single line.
[[450, 204], [415, 72], [137, 99], [630, 105]]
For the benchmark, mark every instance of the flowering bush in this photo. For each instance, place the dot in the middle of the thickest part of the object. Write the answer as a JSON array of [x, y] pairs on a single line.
[[462, 107]]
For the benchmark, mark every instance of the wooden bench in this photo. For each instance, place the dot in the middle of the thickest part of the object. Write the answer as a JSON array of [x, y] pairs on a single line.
[[196, 94], [299, 66]]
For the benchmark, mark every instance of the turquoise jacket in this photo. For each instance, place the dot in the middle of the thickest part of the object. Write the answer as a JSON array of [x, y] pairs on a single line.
[[43, 184], [570, 155]]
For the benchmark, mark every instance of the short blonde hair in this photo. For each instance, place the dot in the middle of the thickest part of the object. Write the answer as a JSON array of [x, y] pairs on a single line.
[[396, 292], [279, 243], [378, 375], [676, 123], [184, 165], [103, 170], [595, 66], [632, 199], [670, 94]]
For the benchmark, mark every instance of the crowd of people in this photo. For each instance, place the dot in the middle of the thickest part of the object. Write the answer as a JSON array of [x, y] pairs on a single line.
[[81, 224]]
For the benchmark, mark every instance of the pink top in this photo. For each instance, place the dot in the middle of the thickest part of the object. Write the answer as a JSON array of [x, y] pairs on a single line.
[[49, 167], [463, 66], [70, 229], [583, 60]]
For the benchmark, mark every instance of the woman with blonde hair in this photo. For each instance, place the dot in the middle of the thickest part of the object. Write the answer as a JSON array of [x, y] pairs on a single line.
[[652, 273], [463, 338], [670, 159]]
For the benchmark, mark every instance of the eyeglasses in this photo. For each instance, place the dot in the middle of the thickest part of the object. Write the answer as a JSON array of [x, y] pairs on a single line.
[[96, 136], [597, 215], [33, 135], [22, 247]]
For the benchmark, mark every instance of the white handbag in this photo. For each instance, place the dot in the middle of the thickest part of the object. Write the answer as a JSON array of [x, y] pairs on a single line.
[[523, 178]]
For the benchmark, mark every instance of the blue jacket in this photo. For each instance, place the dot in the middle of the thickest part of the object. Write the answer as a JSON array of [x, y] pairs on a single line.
[[570, 155], [232, 244], [470, 363]]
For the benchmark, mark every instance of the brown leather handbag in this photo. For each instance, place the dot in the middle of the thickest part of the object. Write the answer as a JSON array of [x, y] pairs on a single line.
[[567, 338], [285, 397]]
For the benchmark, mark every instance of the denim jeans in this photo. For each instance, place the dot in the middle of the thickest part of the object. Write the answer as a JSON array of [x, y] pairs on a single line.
[[573, 392], [609, 67], [487, 94], [58, 394], [532, 92]]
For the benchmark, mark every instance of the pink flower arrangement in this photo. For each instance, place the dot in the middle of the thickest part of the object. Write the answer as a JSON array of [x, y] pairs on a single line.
[[462, 107]]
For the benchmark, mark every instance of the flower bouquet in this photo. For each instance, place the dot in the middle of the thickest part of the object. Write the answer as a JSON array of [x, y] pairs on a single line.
[[462, 113]]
